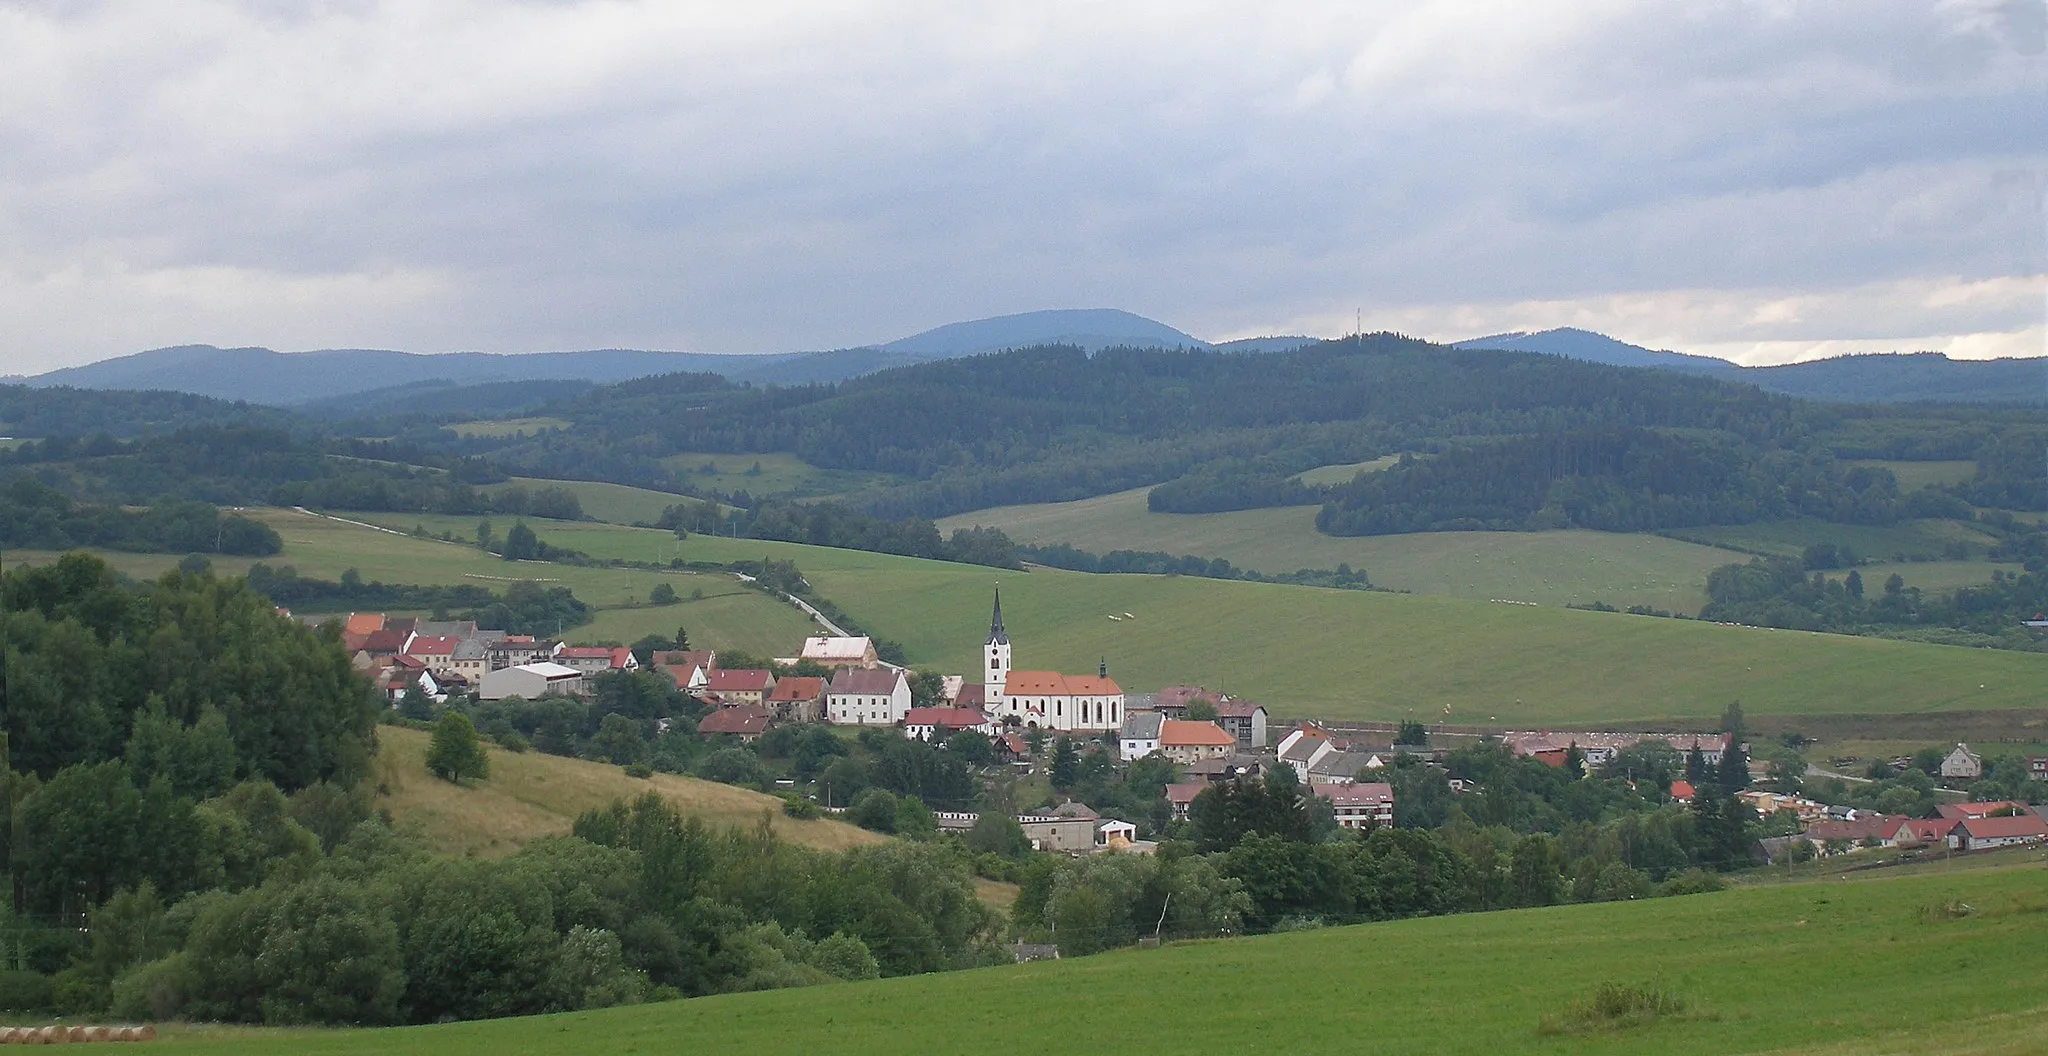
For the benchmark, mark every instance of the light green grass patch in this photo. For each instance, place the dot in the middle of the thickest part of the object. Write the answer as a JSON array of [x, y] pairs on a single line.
[[1790, 968], [1344, 474], [1548, 568], [1915, 475], [507, 427], [778, 474], [1923, 539], [616, 503]]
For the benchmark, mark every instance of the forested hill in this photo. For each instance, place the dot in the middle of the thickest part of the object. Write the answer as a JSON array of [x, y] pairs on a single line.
[[1217, 431]]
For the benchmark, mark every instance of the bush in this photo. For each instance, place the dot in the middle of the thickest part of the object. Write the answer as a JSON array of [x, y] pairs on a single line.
[[875, 809], [1616, 1007], [641, 770], [24, 991], [1694, 881], [801, 807], [76, 991], [153, 991]]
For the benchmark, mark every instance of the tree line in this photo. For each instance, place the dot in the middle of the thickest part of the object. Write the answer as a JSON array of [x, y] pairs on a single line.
[[38, 517]]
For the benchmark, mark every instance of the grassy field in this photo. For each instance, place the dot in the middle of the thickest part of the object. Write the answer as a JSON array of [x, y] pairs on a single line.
[[1346, 473], [1356, 655], [1807, 969], [1915, 475], [505, 427], [1925, 539], [1304, 652], [769, 474], [728, 617], [1549, 568], [530, 795], [616, 503]]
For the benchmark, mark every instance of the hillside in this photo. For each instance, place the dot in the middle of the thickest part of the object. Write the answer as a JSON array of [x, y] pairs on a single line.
[[1346, 654], [1896, 378], [531, 794], [1901, 975]]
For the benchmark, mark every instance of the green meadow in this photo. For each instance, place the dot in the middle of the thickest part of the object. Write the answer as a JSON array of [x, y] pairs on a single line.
[[616, 503], [1925, 540], [1892, 965], [1548, 568], [1340, 654], [1915, 475], [769, 474]]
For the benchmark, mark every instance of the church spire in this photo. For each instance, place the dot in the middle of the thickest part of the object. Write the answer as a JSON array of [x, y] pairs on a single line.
[[995, 622], [1102, 668]]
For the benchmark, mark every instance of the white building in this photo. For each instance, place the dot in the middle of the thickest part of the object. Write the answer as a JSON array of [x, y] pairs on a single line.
[[531, 681], [1139, 736], [1045, 699], [840, 652], [1962, 765], [861, 697], [1366, 804]]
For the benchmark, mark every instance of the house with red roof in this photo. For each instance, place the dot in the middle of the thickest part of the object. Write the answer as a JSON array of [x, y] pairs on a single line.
[[797, 698], [1185, 742], [1681, 791], [1873, 830], [744, 721], [1990, 808], [1243, 720], [2012, 830], [596, 659], [936, 724], [1181, 795], [742, 685], [1930, 831]]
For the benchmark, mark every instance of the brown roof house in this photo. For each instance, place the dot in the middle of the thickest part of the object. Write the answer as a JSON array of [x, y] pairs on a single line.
[[745, 721], [739, 685], [1185, 742], [798, 698], [862, 697]]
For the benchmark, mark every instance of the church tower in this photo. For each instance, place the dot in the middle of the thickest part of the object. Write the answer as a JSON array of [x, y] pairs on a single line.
[[995, 660]]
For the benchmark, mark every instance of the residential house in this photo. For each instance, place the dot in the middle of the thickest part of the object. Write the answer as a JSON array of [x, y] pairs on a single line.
[[840, 652], [937, 724], [437, 652], [532, 681], [1139, 736], [1341, 766], [1069, 827], [597, 659], [1172, 702], [457, 629], [741, 685], [867, 697], [470, 660], [2037, 768], [1362, 805], [1243, 720], [1681, 791], [514, 649], [1992, 808], [1962, 765], [797, 698], [1304, 746], [1185, 742], [1225, 768], [1181, 795], [745, 721], [1983, 834], [1930, 831], [1873, 830], [362, 623]]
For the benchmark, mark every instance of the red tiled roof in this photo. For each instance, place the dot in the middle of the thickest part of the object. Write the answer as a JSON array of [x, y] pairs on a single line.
[[1974, 810], [2025, 823], [1237, 709], [1054, 684], [1185, 791], [686, 658], [430, 646], [1681, 790], [1878, 828], [384, 641], [945, 718], [798, 688], [739, 680], [363, 623], [1179, 696], [1932, 829], [1176, 733], [971, 696], [584, 652], [745, 719]]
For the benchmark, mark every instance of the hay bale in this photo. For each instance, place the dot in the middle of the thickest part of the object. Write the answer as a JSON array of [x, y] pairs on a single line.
[[99, 1032], [81, 1032], [7, 1035], [54, 1035], [145, 1032]]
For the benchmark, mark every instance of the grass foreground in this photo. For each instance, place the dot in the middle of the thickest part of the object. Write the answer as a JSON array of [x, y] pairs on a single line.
[[532, 794], [1809, 969]]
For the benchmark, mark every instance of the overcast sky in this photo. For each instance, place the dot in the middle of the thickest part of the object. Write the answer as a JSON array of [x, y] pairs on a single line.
[[1761, 181]]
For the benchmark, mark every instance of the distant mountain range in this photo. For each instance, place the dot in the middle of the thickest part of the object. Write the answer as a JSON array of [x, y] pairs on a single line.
[[1889, 378], [332, 376], [346, 381]]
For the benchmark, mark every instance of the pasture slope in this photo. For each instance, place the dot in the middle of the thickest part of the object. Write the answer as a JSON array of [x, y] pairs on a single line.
[[531, 794], [1797, 969], [1343, 654]]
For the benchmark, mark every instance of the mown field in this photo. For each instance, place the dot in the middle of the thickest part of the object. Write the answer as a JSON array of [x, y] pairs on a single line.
[[1897, 543], [1810, 969], [1915, 475], [616, 503], [531, 794], [729, 616], [1548, 568], [769, 474], [1338, 654]]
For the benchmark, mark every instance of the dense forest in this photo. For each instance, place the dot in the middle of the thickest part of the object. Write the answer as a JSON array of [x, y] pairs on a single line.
[[525, 607], [38, 517]]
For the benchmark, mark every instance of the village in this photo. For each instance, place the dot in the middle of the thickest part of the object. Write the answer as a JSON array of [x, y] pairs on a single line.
[[1208, 738]]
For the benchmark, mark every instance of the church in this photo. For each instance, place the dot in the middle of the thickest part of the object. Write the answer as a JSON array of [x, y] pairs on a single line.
[[1045, 699]]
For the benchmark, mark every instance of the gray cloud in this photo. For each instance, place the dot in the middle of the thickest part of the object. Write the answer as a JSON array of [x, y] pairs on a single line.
[[769, 176]]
